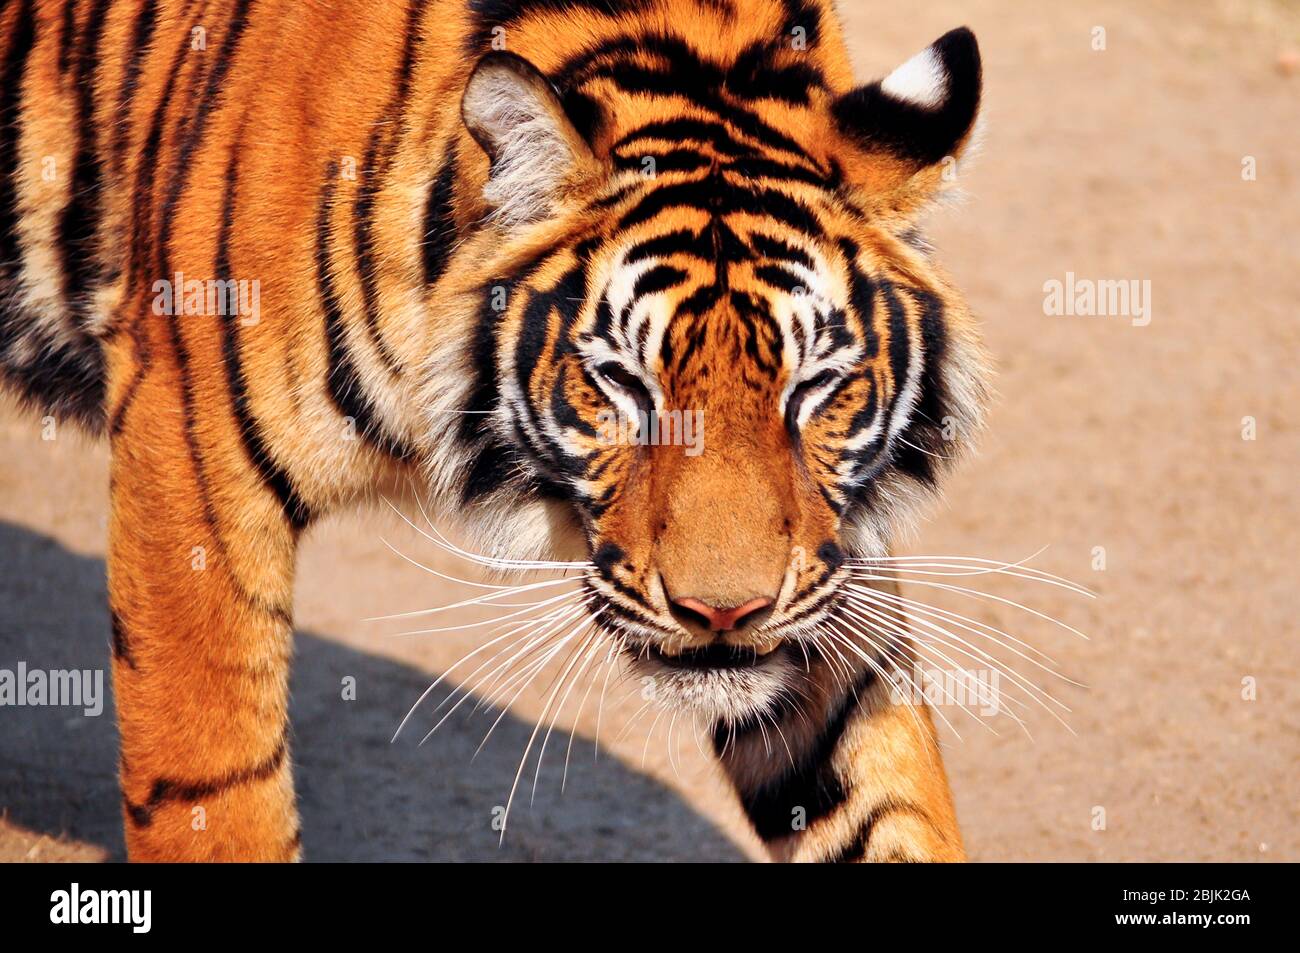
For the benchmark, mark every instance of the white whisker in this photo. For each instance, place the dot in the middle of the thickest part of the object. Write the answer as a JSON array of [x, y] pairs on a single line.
[[977, 594], [514, 786], [489, 561], [483, 600], [582, 706], [591, 642], [532, 639], [907, 606], [1032, 690], [442, 575], [645, 749], [536, 647], [537, 667], [524, 610], [847, 639], [600, 707], [954, 570], [428, 691], [901, 563], [918, 645]]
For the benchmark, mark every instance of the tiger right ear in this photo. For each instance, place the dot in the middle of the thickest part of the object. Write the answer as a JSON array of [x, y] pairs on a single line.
[[536, 154], [916, 117]]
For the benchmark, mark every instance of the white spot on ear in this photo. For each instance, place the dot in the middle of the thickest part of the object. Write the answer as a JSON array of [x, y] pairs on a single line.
[[921, 80]]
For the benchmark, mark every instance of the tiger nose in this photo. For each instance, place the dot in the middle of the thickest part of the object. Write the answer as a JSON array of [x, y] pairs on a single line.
[[716, 619]]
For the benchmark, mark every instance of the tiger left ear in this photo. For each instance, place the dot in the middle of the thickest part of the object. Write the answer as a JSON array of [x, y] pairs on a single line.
[[536, 154], [916, 117]]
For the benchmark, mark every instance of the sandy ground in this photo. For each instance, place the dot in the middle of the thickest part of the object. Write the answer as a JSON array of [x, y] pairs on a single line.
[[1122, 163]]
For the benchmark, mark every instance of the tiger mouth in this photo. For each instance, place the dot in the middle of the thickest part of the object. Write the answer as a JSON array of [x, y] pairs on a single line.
[[712, 657]]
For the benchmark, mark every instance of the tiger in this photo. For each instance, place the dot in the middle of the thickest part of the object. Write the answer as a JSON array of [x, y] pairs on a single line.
[[284, 256]]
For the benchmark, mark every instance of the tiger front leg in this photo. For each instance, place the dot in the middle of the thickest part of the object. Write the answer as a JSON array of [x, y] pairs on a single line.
[[854, 777], [200, 581]]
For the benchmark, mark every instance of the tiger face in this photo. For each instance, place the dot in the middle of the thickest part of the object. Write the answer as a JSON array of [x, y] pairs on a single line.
[[712, 346]]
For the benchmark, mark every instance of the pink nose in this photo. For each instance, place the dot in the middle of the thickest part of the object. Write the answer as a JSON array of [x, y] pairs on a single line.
[[715, 619]]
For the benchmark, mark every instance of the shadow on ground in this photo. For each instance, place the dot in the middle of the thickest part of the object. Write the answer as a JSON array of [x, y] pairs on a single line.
[[361, 797]]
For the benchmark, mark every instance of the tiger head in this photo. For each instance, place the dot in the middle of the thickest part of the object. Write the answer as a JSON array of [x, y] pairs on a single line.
[[711, 346]]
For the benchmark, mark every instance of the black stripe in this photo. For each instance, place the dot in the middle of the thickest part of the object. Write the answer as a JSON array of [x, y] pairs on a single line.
[[62, 379], [412, 39], [925, 444], [718, 197], [141, 40], [494, 465], [862, 300], [780, 250], [900, 347], [364, 249], [500, 13], [648, 616], [606, 557], [440, 219], [832, 558], [862, 297], [811, 784], [567, 417], [21, 40], [564, 299], [856, 849], [489, 471], [534, 329], [761, 168], [681, 242], [379, 154], [754, 75], [141, 227], [762, 336], [866, 459], [818, 603], [344, 380], [830, 553], [272, 474], [118, 420], [166, 790], [491, 460], [67, 36], [675, 131], [674, 160], [681, 71], [142, 200], [802, 13], [189, 431], [782, 279], [121, 640], [195, 129], [655, 280], [692, 84], [79, 223]]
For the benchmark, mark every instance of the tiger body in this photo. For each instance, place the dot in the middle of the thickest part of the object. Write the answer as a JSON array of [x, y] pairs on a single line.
[[474, 226]]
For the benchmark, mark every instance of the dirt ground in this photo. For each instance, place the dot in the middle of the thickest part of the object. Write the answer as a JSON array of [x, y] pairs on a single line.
[[1120, 163]]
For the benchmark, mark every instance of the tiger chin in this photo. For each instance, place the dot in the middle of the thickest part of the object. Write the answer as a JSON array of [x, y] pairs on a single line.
[[480, 231]]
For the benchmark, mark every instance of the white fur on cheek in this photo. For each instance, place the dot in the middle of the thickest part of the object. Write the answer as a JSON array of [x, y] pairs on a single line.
[[921, 80]]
